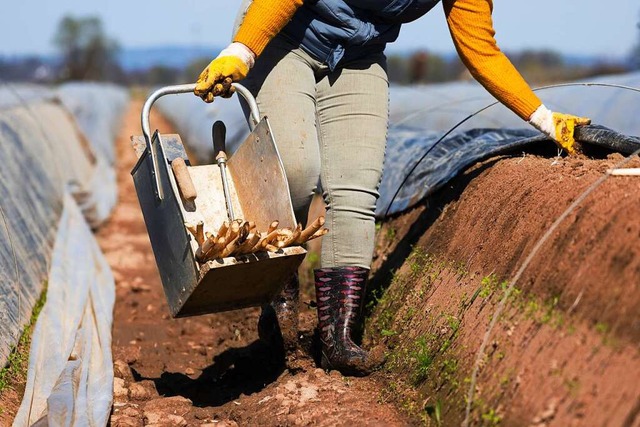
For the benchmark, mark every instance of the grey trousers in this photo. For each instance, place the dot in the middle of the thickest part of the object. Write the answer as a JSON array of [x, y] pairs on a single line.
[[330, 127]]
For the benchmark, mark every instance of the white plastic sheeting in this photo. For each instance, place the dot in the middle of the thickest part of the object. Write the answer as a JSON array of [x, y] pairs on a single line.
[[70, 375], [12, 95], [440, 107], [31, 192], [97, 108], [47, 163]]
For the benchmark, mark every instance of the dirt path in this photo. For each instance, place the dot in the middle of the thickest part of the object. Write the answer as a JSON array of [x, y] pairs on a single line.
[[207, 369]]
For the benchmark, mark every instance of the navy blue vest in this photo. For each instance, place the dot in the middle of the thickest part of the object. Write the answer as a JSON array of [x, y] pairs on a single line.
[[337, 30]]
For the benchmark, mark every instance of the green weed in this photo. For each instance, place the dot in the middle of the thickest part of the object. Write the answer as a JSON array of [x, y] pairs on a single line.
[[424, 360], [313, 259], [488, 285], [454, 324], [435, 412], [505, 379], [391, 233], [492, 417], [419, 261], [19, 357], [602, 327]]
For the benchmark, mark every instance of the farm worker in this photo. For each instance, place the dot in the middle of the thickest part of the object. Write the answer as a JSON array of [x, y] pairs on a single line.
[[318, 71]]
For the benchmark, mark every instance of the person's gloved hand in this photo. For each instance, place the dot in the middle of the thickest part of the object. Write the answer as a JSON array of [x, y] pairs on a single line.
[[558, 126], [230, 66]]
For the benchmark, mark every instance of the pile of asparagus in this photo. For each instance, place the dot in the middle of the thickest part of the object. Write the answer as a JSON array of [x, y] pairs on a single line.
[[241, 237]]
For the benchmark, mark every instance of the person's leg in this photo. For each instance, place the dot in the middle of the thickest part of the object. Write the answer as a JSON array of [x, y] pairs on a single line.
[[283, 83], [352, 123], [352, 118]]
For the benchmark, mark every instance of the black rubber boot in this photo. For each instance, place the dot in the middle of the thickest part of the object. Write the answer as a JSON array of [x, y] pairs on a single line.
[[340, 294], [278, 322]]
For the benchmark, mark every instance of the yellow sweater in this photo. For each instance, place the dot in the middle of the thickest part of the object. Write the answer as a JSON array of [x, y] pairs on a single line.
[[265, 19], [471, 30]]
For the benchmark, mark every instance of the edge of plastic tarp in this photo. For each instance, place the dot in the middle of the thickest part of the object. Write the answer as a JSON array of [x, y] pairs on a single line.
[[399, 191], [70, 376]]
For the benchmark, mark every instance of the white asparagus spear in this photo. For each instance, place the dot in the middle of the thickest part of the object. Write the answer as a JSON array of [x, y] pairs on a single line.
[[310, 230], [232, 232], [197, 231], [200, 232], [245, 230], [224, 228], [273, 226], [202, 254], [283, 236], [266, 240], [318, 233], [293, 237], [257, 236], [230, 247], [249, 244], [217, 249]]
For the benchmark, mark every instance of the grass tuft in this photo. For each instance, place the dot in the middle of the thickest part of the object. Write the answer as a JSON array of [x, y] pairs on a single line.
[[16, 369]]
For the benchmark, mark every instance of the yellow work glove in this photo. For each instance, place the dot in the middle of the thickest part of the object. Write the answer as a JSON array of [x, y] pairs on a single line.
[[230, 66], [560, 127]]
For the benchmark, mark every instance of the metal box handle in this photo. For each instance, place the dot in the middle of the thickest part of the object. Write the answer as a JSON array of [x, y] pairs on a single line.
[[186, 88]]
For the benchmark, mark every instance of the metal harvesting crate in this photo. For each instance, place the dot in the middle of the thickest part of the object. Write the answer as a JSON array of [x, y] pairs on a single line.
[[258, 191]]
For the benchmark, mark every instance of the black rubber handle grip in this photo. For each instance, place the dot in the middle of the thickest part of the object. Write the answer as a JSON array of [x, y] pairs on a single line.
[[219, 134]]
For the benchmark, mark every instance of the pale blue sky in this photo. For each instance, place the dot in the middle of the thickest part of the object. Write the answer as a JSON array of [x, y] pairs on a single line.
[[590, 27]]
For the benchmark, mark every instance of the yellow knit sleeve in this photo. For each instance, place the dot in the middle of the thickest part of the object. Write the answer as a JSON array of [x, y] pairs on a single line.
[[265, 19], [472, 32]]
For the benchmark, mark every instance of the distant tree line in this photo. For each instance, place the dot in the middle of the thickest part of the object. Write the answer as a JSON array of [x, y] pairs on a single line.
[[85, 53], [30, 69], [88, 53]]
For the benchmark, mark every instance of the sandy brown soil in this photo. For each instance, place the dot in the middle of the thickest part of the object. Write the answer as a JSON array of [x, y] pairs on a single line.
[[10, 400], [565, 350], [208, 369]]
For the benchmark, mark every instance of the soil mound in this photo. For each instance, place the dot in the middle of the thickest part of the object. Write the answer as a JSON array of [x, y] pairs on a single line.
[[564, 350]]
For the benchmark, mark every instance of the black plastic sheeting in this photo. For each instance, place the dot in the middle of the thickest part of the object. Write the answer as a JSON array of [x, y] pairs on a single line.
[[406, 146], [607, 138]]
